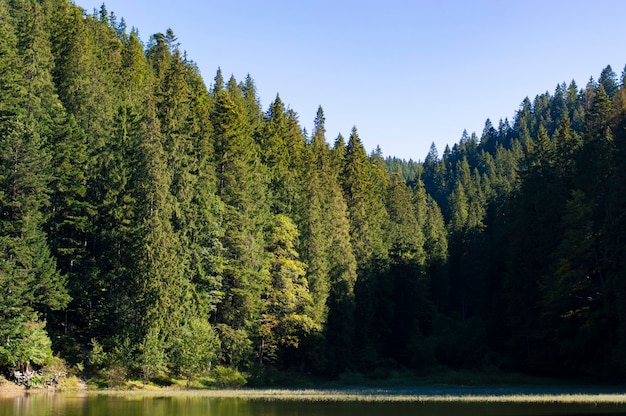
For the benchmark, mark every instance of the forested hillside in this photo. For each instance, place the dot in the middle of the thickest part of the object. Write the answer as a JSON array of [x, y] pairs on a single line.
[[153, 226]]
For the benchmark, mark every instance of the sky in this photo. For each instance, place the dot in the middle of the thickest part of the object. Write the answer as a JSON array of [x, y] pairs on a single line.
[[406, 73]]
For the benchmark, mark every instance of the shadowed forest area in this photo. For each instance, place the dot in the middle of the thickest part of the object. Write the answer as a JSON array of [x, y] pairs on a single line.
[[154, 226]]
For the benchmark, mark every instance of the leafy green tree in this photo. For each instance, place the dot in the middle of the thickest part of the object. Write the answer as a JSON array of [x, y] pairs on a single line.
[[236, 346], [34, 349], [152, 359], [287, 316], [195, 347]]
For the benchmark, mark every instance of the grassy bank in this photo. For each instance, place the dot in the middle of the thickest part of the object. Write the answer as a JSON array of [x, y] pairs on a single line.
[[452, 394], [288, 380], [447, 386]]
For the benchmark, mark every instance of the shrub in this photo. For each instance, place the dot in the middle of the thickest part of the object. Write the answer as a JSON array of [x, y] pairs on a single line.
[[36, 382], [228, 377], [71, 383], [115, 376], [52, 373]]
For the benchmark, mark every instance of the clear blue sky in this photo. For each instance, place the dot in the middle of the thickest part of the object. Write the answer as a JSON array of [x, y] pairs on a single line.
[[406, 73]]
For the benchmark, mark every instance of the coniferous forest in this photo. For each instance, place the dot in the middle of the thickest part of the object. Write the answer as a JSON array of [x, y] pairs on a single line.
[[152, 225]]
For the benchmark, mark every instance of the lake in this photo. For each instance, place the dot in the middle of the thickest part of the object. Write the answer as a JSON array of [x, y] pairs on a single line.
[[299, 404]]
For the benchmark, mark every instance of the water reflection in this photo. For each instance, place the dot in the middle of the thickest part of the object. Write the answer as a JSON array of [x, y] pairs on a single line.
[[137, 405]]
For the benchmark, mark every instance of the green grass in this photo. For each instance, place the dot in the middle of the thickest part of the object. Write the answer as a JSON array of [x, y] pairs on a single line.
[[445, 386], [376, 395]]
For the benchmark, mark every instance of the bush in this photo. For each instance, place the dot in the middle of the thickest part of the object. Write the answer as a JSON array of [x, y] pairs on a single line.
[[228, 377], [115, 376], [36, 382], [71, 383], [53, 373]]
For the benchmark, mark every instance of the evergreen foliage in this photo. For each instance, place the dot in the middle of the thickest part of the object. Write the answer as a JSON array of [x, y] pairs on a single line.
[[151, 224]]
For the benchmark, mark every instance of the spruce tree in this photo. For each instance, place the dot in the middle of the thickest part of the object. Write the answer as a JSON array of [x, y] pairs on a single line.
[[404, 289], [282, 151], [241, 185], [368, 220], [30, 282], [327, 251]]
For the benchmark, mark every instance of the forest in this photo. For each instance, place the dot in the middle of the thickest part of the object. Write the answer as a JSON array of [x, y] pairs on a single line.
[[154, 226]]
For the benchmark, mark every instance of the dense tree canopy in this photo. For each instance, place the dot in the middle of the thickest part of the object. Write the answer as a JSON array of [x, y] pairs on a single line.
[[153, 224]]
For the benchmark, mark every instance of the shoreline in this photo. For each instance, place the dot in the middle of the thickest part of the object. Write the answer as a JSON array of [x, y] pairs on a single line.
[[356, 394]]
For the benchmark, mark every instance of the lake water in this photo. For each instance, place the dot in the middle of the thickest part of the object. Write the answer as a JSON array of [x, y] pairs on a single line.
[[154, 405]]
